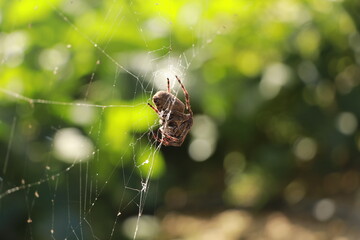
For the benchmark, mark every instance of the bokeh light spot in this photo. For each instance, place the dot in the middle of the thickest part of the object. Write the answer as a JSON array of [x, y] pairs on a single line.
[[204, 134], [200, 150], [234, 162], [56, 57], [308, 72], [245, 189], [278, 226], [294, 192], [324, 209], [156, 28], [82, 115], [71, 146], [12, 48], [189, 14], [274, 78], [307, 42], [305, 148], [148, 227], [346, 123], [325, 94], [249, 63]]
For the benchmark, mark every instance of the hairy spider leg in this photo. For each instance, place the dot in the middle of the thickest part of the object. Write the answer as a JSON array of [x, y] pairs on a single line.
[[168, 85], [157, 111], [169, 137], [160, 140], [164, 138], [156, 136], [167, 140], [187, 98]]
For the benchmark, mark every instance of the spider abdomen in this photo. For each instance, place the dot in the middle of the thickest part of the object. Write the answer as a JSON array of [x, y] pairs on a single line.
[[166, 101]]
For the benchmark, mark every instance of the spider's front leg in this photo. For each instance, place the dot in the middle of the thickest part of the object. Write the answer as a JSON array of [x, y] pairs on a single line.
[[157, 111], [168, 85], [187, 97]]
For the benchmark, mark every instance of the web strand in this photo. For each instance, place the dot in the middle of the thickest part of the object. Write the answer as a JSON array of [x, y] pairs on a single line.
[[50, 102]]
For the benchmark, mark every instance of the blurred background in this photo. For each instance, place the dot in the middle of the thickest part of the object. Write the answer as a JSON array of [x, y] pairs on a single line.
[[274, 150]]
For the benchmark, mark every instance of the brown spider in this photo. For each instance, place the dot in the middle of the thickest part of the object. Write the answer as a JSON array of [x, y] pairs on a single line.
[[175, 123]]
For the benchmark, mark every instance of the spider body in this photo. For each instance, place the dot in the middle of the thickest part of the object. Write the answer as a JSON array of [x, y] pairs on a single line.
[[174, 120]]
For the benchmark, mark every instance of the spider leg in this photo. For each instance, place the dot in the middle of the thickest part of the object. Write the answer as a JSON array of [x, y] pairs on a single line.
[[170, 137], [163, 139], [168, 85], [166, 139], [169, 141], [187, 98], [157, 111], [156, 136], [172, 141]]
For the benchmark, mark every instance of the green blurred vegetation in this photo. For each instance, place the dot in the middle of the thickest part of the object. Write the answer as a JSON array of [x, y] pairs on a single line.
[[274, 86]]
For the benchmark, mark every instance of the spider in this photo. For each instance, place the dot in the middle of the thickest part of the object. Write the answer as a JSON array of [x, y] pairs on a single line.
[[175, 123]]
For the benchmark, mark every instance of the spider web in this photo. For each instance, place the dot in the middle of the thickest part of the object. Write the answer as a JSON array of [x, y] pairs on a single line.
[[81, 166]]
